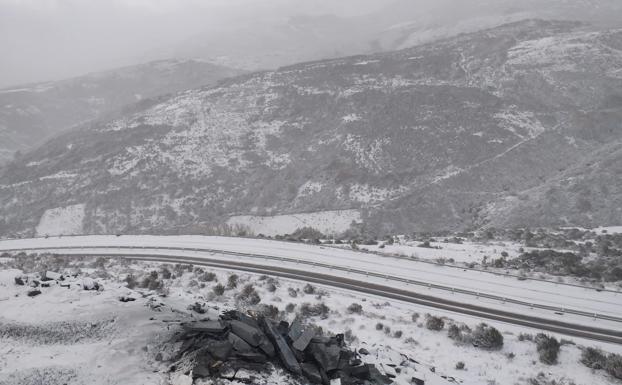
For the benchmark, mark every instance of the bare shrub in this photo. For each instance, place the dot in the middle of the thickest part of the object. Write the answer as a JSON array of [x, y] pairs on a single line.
[[548, 348], [593, 358], [249, 296], [487, 337], [309, 289], [207, 277], [232, 281], [292, 292], [317, 310], [434, 323], [219, 289], [355, 308]]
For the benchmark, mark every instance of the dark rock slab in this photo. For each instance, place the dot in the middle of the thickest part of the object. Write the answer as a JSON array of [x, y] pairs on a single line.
[[252, 357], [220, 350], [311, 372], [417, 381], [377, 377], [239, 345], [305, 338], [252, 335], [285, 353], [19, 281], [295, 330], [327, 356], [127, 299], [212, 327], [361, 372], [34, 293]]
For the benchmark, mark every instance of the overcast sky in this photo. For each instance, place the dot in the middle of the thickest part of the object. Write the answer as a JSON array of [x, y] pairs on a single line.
[[53, 39]]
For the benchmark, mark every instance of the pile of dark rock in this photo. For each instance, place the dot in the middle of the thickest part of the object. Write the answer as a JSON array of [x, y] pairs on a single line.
[[242, 343]]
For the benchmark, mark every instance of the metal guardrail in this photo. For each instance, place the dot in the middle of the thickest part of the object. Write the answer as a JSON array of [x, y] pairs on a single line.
[[340, 268], [371, 252]]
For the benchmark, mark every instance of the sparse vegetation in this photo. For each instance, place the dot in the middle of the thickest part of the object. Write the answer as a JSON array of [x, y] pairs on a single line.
[[232, 281], [355, 308], [548, 348], [318, 310], [207, 277], [248, 295], [218, 290], [434, 323], [487, 337], [309, 289]]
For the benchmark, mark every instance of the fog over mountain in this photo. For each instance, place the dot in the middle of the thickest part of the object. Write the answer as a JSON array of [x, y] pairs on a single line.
[[40, 42]]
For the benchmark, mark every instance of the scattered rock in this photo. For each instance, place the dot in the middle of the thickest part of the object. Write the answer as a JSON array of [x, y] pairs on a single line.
[[52, 276], [127, 299], [34, 293], [19, 281], [89, 284]]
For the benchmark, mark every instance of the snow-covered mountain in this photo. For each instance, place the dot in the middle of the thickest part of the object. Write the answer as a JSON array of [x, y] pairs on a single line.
[[515, 125], [32, 113], [268, 44]]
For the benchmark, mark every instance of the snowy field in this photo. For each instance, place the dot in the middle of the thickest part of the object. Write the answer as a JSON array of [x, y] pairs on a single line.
[[61, 221], [123, 347]]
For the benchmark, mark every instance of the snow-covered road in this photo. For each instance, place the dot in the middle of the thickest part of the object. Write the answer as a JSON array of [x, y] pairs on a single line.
[[532, 292]]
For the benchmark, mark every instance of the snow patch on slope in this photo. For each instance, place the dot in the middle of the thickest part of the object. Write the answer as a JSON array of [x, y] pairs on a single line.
[[328, 222], [61, 221]]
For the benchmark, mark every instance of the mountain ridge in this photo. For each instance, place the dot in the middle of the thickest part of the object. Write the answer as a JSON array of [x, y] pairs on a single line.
[[462, 133]]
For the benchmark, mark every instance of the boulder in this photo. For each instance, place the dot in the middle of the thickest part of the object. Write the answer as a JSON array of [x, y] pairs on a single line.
[[285, 353], [89, 284], [34, 293], [19, 281], [50, 275]]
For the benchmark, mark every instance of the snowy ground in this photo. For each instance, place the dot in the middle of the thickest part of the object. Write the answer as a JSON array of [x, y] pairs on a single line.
[[328, 222], [536, 292], [121, 349]]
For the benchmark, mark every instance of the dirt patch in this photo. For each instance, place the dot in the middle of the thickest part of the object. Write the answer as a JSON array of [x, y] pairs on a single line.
[[63, 333]]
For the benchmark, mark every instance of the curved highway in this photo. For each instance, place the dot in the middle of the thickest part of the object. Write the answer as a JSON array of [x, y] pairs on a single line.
[[330, 275]]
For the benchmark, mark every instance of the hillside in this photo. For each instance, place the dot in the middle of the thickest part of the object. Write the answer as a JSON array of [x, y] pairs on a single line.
[[481, 129], [29, 114]]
